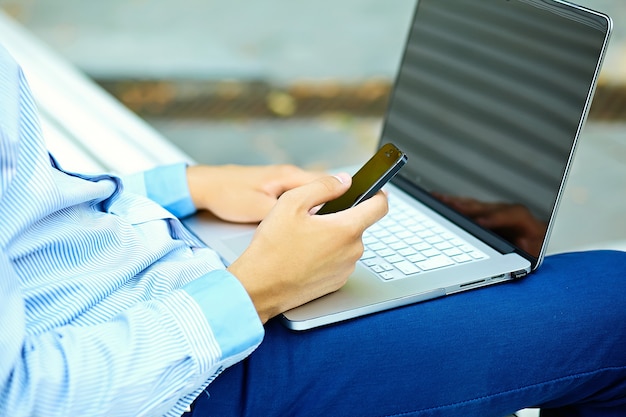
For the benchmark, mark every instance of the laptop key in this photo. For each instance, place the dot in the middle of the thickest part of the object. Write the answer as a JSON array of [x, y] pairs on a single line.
[[407, 251], [462, 258], [385, 266], [430, 253], [398, 245], [368, 254], [376, 246], [435, 262], [417, 257], [407, 267], [477, 254], [453, 251], [386, 275], [385, 252], [370, 262], [393, 259]]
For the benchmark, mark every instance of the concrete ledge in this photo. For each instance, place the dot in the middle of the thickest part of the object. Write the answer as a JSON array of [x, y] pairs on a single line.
[[227, 99], [232, 99]]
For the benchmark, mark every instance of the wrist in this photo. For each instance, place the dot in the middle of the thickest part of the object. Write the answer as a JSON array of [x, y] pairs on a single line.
[[199, 188], [263, 296]]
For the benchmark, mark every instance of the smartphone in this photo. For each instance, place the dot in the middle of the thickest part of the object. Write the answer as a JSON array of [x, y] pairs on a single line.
[[369, 179]]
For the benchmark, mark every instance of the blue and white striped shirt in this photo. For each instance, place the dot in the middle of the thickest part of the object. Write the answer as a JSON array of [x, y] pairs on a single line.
[[108, 306]]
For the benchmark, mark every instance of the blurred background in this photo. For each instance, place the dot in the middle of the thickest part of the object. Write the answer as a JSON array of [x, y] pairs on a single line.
[[280, 81]]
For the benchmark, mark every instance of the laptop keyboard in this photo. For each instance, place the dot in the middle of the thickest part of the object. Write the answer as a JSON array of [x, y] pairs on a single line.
[[405, 242]]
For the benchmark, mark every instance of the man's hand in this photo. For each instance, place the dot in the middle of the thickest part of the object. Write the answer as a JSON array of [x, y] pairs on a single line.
[[297, 256], [243, 194]]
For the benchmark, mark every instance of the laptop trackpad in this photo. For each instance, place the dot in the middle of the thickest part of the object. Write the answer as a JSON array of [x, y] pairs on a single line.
[[238, 244]]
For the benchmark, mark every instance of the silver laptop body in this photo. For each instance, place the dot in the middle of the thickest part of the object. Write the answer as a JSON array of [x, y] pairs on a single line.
[[488, 103]]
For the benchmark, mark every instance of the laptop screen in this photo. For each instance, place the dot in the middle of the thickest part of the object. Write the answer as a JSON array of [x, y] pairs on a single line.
[[489, 101]]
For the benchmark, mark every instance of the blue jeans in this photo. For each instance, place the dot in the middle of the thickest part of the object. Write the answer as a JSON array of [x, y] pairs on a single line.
[[555, 339]]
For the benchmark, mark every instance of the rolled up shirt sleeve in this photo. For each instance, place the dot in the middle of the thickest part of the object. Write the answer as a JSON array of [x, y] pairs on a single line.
[[228, 310], [165, 185]]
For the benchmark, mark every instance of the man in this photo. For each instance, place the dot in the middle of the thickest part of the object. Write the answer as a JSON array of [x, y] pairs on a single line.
[[108, 306]]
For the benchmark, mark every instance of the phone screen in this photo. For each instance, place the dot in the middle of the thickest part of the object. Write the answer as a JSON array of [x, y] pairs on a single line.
[[369, 179]]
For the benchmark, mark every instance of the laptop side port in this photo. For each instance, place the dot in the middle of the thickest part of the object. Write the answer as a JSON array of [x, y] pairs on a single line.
[[519, 274]]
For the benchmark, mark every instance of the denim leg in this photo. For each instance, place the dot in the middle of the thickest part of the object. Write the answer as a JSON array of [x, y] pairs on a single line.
[[555, 338]]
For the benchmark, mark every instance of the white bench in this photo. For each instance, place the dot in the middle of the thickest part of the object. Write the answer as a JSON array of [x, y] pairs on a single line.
[[85, 128]]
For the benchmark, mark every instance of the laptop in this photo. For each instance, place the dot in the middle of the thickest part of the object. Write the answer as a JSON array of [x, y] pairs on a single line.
[[488, 104]]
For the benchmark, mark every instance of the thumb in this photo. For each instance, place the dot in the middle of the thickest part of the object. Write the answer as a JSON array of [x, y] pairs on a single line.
[[321, 190]]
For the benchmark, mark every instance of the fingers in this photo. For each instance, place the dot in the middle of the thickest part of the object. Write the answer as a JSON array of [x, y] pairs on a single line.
[[252, 208], [369, 211], [320, 191], [328, 188], [286, 177]]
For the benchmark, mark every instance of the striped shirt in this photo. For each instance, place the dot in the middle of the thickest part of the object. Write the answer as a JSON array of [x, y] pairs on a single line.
[[108, 306]]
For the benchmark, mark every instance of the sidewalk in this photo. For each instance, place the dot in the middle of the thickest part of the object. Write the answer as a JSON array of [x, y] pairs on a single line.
[[153, 53], [280, 41]]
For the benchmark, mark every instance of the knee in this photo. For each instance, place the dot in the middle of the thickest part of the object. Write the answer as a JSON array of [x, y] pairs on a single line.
[[594, 279], [598, 263]]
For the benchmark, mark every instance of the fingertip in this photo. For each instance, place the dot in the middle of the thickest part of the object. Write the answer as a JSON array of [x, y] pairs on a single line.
[[324, 189], [343, 178]]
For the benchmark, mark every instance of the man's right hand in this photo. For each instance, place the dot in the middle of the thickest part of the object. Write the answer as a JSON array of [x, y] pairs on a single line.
[[297, 256]]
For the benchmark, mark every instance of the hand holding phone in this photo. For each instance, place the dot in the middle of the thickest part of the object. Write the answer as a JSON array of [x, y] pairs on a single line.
[[369, 179]]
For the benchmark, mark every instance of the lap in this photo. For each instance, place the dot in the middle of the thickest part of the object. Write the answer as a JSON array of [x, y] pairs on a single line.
[[549, 339]]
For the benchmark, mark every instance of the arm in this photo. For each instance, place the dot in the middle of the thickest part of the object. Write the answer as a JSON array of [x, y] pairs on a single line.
[[141, 360], [319, 252], [243, 194], [120, 360]]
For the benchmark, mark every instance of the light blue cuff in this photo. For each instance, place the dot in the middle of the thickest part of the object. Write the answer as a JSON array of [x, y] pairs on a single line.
[[228, 310], [167, 185]]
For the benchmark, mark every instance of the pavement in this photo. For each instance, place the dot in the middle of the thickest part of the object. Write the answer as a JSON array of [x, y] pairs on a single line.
[[152, 53]]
